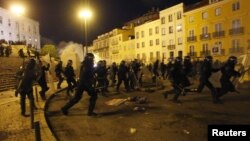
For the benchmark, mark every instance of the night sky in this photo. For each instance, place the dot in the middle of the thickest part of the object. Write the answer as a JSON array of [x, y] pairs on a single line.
[[59, 22]]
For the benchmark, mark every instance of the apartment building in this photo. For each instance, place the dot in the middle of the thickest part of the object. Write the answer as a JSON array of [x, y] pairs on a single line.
[[15, 28], [148, 42], [172, 26], [220, 29]]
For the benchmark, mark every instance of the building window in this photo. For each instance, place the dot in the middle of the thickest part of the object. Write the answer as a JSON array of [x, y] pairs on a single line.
[[151, 56], [10, 34], [1, 20], [171, 29], [9, 22], [204, 15], [171, 42], [142, 34], [236, 6], [137, 35], [29, 29], [205, 47], [156, 29], [157, 41], [179, 28], [191, 49], [163, 43], [204, 30], [170, 18], [179, 41], [151, 43], [179, 15], [236, 24], [191, 19], [138, 56], [236, 44], [218, 11], [158, 55], [171, 54], [191, 33], [2, 33], [142, 44], [163, 20], [150, 31], [163, 31], [138, 45], [218, 27]]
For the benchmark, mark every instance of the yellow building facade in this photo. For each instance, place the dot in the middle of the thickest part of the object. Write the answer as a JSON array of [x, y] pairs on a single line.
[[172, 31], [148, 42], [219, 29]]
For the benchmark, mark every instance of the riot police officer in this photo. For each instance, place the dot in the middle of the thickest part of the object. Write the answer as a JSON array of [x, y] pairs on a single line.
[[70, 77], [42, 80], [25, 86], [228, 71], [59, 71], [205, 73], [85, 84]]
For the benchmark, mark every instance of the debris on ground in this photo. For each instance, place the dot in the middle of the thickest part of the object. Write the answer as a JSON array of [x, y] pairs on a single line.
[[132, 130], [135, 99], [186, 132], [139, 109]]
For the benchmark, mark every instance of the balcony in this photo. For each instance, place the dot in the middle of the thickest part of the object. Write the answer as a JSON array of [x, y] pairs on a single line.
[[171, 47], [219, 34], [192, 54], [192, 39], [236, 31], [236, 50], [205, 53], [115, 51], [206, 36]]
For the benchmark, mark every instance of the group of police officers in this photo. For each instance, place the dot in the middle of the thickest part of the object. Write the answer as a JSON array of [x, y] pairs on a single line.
[[178, 74]]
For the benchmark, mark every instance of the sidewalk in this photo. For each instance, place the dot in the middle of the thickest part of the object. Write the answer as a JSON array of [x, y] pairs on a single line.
[[14, 127]]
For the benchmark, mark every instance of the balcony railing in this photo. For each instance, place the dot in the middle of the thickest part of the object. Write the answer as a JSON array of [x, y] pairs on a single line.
[[192, 54], [115, 51], [219, 34], [236, 31], [171, 47], [205, 36], [235, 50], [205, 53], [192, 39]]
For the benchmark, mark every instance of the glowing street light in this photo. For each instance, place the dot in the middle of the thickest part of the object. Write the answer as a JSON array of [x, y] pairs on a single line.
[[17, 9], [85, 14]]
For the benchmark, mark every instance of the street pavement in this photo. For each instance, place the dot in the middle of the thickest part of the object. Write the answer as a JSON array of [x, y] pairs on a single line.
[[157, 120], [14, 127]]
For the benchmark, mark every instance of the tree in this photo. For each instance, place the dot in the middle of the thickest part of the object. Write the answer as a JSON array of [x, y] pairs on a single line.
[[51, 49]]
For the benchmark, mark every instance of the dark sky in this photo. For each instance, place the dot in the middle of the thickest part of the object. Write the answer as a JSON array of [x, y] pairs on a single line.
[[59, 22]]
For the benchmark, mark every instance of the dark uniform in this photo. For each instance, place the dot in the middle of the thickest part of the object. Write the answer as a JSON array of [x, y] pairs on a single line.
[[59, 71], [188, 66], [42, 80], [85, 84], [228, 71], [70, 76], [205, 73], [26, 83], [101, 72], [178, 78], [123, 76], [114, 70]]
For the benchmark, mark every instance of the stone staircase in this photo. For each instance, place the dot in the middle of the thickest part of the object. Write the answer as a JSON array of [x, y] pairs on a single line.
[[8, 69], [7, 81]]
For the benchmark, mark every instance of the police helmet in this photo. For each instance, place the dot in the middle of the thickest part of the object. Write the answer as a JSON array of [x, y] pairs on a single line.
[[232, 59], [89, 56], [178, 59], [187, 58], [208, 58]]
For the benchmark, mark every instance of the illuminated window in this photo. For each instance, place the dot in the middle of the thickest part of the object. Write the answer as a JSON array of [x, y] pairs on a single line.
[[163, 20], [218, 11], [191, 19], [179, 41], [163, 31], [157, 41], [179, 15], [171, 29], [150, 31], [151, 43], [156, 29], [170, 18], [236, 6], [204, 15], [236, 24]]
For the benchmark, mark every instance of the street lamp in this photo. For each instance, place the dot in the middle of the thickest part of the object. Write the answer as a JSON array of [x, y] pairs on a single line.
[[85, 14]]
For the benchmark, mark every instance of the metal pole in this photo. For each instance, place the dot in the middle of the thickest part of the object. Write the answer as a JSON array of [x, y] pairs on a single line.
[[86, 38], [37, 131], [36, 94], [32, 110]]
